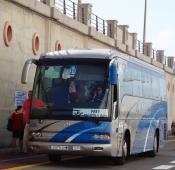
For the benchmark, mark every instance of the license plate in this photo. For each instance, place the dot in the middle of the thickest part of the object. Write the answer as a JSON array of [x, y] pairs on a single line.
[[65, 148], [76, 148], [60, 148]]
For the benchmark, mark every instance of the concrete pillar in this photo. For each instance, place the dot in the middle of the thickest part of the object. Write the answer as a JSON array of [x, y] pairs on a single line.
[[78, 9], [125, 33], [134, 40], [160, 56], [147, 49], [112, 28], [84, 13], [171, 62], [49, 2]]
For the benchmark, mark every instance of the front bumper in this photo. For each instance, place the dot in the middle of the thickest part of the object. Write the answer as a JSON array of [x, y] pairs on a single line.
[[71, 148]]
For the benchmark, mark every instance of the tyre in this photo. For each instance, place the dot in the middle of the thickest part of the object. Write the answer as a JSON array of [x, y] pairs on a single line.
[[54, 158], [155, 149], [121, 160]]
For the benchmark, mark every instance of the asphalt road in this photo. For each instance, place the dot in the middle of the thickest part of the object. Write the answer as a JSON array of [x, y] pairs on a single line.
[[165, 159]]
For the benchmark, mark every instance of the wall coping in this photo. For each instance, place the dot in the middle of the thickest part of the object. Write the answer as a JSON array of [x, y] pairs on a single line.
[[156, 63], [101, 37], [53, 13]]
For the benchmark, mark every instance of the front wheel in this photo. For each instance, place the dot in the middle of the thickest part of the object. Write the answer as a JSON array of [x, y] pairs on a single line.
[[54, 158], [121, 160]]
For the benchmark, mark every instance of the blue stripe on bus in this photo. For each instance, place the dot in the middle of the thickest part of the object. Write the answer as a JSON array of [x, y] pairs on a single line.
[[147, 125], [83, 132]]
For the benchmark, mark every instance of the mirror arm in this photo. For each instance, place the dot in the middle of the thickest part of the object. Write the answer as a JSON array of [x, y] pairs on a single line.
[[26, 68]]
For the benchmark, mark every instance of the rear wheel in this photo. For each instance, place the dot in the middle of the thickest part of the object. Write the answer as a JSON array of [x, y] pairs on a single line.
[[153, 152], [54, 158]]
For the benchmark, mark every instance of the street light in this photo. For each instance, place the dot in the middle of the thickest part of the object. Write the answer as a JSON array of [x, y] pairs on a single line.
[[144, 27]]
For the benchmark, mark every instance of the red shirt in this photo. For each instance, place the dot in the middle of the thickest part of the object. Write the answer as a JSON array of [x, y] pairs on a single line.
[[26, 107], [37, 103], [17, 119]]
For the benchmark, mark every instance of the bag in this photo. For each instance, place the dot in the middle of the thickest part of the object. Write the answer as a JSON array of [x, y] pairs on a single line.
[[9, 124]]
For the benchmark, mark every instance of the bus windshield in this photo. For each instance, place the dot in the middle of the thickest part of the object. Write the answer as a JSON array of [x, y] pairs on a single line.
[[70, 90]]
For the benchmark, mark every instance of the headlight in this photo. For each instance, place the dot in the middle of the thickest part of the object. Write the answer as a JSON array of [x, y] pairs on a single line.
[[104, 136], [36, 134]]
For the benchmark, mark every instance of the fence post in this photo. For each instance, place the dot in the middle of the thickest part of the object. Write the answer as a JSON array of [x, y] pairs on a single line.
[[160, 56], [74, 17], [171, 62], [112, 28], [96, 21], [125, 33], [134, 40], [138, 46], [78, 9], [64, 7], [147, 49], [84, 13], [104, 29]]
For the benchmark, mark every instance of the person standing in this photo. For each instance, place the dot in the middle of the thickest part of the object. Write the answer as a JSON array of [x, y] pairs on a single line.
[[26, 107], [18, 128], [26, 110], [173, 128]]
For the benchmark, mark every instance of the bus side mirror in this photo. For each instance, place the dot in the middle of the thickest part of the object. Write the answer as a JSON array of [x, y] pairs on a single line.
[[25, 71], [113, 73]]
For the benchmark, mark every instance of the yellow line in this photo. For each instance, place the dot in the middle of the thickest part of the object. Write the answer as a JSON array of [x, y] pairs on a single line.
[[27, 166]]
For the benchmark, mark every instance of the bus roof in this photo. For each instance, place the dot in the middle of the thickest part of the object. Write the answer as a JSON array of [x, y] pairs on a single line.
[[80, 53], [107, 54]]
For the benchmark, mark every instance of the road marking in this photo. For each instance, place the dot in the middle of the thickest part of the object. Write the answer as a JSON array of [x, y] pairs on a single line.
[[7, 160], [173, 162], [164, 167], [27, 166]]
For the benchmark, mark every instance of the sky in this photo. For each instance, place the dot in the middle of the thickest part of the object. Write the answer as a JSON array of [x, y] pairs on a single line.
[[160, 28]]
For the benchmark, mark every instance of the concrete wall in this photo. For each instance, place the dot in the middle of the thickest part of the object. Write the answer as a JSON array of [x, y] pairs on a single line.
[[29, 17], [171, 97]]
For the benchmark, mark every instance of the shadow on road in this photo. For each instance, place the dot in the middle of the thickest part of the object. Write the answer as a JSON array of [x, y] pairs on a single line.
[[92, 162]]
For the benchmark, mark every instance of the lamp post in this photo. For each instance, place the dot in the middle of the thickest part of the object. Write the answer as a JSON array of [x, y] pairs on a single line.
[[144, 27]]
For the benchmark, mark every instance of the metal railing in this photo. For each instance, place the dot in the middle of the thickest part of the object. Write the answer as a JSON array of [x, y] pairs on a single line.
[[67, 7], [154, 54], [140, 47], [99, 24], [70, 9], [165, 60]]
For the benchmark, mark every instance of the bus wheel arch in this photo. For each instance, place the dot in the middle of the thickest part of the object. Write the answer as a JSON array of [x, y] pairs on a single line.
[[155, 149], [156, 142], [157, 133], [127, 138]]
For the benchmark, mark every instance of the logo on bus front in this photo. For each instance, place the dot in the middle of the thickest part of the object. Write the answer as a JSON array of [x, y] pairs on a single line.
[[90, 112]]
